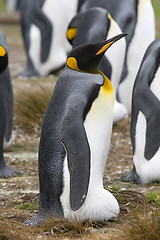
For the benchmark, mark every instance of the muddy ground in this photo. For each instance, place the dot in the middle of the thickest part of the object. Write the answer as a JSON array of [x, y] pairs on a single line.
[[19, 195]]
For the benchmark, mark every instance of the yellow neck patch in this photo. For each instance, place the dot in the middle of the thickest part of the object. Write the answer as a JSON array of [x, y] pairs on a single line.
[[2, 51], [71, 33], [72, 63], [107, 86]]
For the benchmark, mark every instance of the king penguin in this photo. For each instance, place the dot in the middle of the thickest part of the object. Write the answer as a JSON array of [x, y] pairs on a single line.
[[94, 25], [135, 17], [6, 108], [145, 119], [75, 141], [45, 22]]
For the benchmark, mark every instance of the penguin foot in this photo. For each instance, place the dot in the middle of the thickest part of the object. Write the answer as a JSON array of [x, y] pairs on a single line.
[[131, 176], [6, 172], [119, 112], [27, 73], [35, 220]]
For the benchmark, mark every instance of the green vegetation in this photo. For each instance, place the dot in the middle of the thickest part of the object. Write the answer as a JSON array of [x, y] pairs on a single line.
[[156, 6], [28, 206], [153, 197], [2, 6]]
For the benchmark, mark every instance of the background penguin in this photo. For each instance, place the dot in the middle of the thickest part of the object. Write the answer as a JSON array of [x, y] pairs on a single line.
[[145, 119], [6, 107], [93, 25], [75, 141], [134, 17], [13, 5], [144, 34], [47, 46], [25, 12]]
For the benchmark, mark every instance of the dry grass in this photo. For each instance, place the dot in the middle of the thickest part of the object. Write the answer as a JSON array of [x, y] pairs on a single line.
[[54, 229], [145, 226], [30, 105]]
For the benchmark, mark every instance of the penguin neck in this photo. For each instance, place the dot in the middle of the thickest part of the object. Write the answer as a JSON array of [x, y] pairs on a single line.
[[107, 85]]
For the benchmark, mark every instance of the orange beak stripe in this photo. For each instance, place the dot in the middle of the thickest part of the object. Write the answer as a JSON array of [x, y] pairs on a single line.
[[104, 48]]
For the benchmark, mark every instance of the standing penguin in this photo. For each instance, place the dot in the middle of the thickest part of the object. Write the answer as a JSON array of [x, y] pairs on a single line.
[[75, 141], [94, 25], [26, 10], [6, 107], [13, 5], [144, 34], [138, 21], [46, 42], [145, 119]]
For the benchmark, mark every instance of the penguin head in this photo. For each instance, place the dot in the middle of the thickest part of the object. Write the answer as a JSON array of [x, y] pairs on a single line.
[[91, 25], [3, 59], [87, 57]]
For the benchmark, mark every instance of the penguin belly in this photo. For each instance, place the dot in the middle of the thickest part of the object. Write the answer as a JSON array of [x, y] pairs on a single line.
[[116, 57], [100, 204], [148, 171], [54, 10], [145, 26]]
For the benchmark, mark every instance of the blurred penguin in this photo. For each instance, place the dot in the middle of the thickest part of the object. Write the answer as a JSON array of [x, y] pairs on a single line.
[[138, 21], [45, 23], [145, 119], [13, 5], [93, 25], [144, 34], [6, 108]]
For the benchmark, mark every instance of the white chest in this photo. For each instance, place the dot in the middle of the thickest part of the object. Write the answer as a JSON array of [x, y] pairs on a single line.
[[144, 34], [59, 12]]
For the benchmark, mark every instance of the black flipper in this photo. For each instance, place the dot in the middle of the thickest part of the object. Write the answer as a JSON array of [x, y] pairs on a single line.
[[38, 18], [148, 103], [7, 92], [74, 138]]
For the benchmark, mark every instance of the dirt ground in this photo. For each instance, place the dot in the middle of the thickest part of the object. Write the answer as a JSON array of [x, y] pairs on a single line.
[[19, 195]]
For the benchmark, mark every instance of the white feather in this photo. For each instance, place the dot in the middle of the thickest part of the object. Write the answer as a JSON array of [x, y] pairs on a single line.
[[100, 204], [144, 34], [59, 12]]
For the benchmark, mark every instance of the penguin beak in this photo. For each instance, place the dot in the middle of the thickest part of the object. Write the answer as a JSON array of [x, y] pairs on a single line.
[[109, 42], [2, 51]]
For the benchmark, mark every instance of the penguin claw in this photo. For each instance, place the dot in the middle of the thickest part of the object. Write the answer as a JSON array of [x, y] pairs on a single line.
[[6, 172], [131, 176], [35, 220]]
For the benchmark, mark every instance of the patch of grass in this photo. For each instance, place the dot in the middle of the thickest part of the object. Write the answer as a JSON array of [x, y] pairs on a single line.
[[2, 5], [144, 226], [30, 107], [156, 7], [28, 206], [153, 197]]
